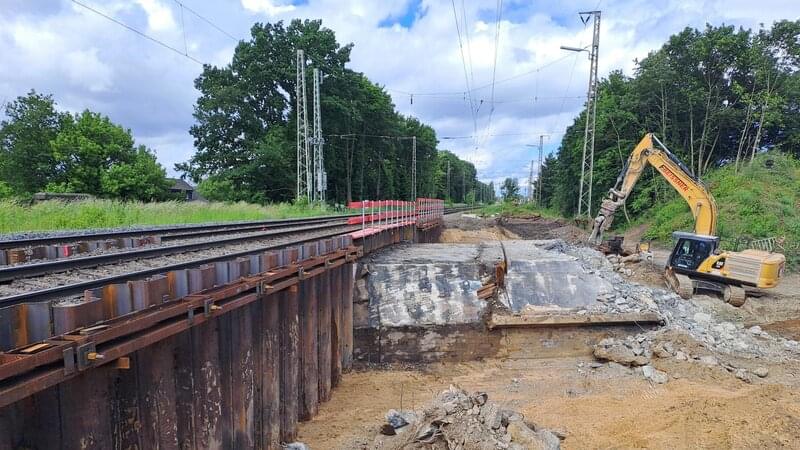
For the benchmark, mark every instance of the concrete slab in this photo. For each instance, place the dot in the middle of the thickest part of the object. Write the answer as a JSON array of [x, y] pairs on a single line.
[[436, 284]]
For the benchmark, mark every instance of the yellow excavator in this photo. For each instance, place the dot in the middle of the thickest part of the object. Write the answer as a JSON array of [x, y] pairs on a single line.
[[696, 262]]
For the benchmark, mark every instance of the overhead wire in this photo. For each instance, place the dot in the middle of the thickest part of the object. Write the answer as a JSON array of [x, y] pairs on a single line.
[[464, 63], [498, 21], [209, 22], [134, 30]]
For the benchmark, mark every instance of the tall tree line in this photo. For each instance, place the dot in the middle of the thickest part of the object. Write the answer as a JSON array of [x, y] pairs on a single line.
[[714, 97], [245, 130]]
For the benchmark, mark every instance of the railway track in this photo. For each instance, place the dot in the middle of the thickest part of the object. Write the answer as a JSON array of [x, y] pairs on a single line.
[[71, 276]]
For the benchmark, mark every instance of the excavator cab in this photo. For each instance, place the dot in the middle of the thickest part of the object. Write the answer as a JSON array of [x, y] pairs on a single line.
[[691, 250]]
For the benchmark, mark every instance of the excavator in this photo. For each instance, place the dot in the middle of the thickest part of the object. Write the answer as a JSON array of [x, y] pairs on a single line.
[[696, 261]]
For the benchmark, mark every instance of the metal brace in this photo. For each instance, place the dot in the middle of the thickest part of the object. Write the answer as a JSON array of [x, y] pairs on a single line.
[[84, 362], [190, 316], [69, 361], [301, 273], [208, 306]]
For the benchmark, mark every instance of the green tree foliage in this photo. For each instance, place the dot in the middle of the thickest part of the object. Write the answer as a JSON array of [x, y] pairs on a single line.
[[510, 189], [27, 162], [245, 130], [142, 179], [44, 149], [716, 96]]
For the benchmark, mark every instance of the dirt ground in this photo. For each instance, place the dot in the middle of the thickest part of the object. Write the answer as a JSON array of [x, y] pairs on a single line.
[[609, 406]]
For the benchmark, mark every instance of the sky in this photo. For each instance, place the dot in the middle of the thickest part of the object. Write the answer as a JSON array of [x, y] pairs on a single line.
[[444, 54]]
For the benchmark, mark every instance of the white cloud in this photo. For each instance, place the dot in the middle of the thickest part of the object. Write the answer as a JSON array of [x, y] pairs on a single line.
[[266, 7], [159, 16], [86, 61]]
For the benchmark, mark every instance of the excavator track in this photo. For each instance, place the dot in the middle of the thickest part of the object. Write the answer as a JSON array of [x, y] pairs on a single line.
[[681, 284], [734, 295]]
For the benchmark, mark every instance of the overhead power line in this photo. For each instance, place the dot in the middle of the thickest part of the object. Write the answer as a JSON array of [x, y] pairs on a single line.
[[483, 86], [134, 30], [209, 22], [464, 63]]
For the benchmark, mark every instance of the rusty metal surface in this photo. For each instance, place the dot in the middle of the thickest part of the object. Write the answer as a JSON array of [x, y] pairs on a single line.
[[208, 365]]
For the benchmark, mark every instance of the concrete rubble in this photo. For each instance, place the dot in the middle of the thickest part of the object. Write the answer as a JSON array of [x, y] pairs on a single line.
[[458, 420]]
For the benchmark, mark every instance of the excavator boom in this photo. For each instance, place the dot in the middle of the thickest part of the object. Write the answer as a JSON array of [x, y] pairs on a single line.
[[650, 151]]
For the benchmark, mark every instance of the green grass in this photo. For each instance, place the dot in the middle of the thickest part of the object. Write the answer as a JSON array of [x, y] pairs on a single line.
[[754, 203], [56, 215], [510, 209]]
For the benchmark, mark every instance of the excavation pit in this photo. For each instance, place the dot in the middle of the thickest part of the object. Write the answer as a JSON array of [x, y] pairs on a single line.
[[420, 303]]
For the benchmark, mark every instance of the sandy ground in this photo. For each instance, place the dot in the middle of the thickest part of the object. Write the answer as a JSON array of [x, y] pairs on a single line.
[[607, 407]]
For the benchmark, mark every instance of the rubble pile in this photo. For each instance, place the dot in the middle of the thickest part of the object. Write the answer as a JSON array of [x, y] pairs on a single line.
[[678, 314], [458, 420]]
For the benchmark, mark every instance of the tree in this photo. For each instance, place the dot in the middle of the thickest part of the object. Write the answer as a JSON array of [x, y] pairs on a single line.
[[27, 162], [142, 179], [245, 130], [510, 189], [87, 148]]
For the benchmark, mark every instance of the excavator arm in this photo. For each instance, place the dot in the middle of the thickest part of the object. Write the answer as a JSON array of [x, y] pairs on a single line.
[[700, 201]]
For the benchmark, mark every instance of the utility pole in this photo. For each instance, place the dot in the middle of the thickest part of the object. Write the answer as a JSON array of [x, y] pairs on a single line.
[[464, 186], [448, 180], [320, 177], [413, 168], [587, 165], [304, 178], [539, 176], [530, 183]]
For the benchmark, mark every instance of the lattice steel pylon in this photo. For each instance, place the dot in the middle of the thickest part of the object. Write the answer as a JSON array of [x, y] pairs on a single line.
[[587, 166], [305, 186], [320, 177]]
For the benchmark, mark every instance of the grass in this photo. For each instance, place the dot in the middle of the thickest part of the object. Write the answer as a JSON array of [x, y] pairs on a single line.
[[757, 202], [56, 215], [509, 209]]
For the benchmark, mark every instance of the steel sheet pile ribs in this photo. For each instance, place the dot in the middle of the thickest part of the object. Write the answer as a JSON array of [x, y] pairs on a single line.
[[235, 352]]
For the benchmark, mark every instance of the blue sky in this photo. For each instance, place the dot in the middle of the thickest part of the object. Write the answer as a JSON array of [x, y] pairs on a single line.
[[409, 46]]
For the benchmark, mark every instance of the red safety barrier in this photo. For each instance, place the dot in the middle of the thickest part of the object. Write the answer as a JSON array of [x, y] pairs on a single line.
[[377, 215]]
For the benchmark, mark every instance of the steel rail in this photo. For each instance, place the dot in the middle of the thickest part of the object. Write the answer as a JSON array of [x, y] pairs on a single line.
[[61, 265], [166, 231], [173, 232], [78, 288]]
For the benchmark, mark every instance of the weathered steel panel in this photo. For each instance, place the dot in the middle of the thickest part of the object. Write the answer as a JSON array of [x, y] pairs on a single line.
[[207, 389], [349, 274], [126, 407], [243, 377], [290, 362], [86, 412], [335, 276], [156, 381], [324, 335], [184, 391], [308, 354], [271, 371]]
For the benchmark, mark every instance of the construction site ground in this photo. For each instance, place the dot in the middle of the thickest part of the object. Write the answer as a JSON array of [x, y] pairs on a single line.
[[597, 404]]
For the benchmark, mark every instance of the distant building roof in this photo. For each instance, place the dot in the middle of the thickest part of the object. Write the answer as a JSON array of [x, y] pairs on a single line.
[[179, 184]]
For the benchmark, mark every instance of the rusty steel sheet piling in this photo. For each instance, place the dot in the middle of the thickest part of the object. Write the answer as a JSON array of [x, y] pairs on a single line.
[[230, 354]]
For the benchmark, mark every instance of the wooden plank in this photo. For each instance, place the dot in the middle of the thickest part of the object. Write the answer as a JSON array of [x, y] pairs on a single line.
[[184, 390], [347, 316], [243, 378], [543, 320], [271, 371], [207, 391], [308, 355], [336, 325], [156, 389], [85, 411], [290, 363]]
